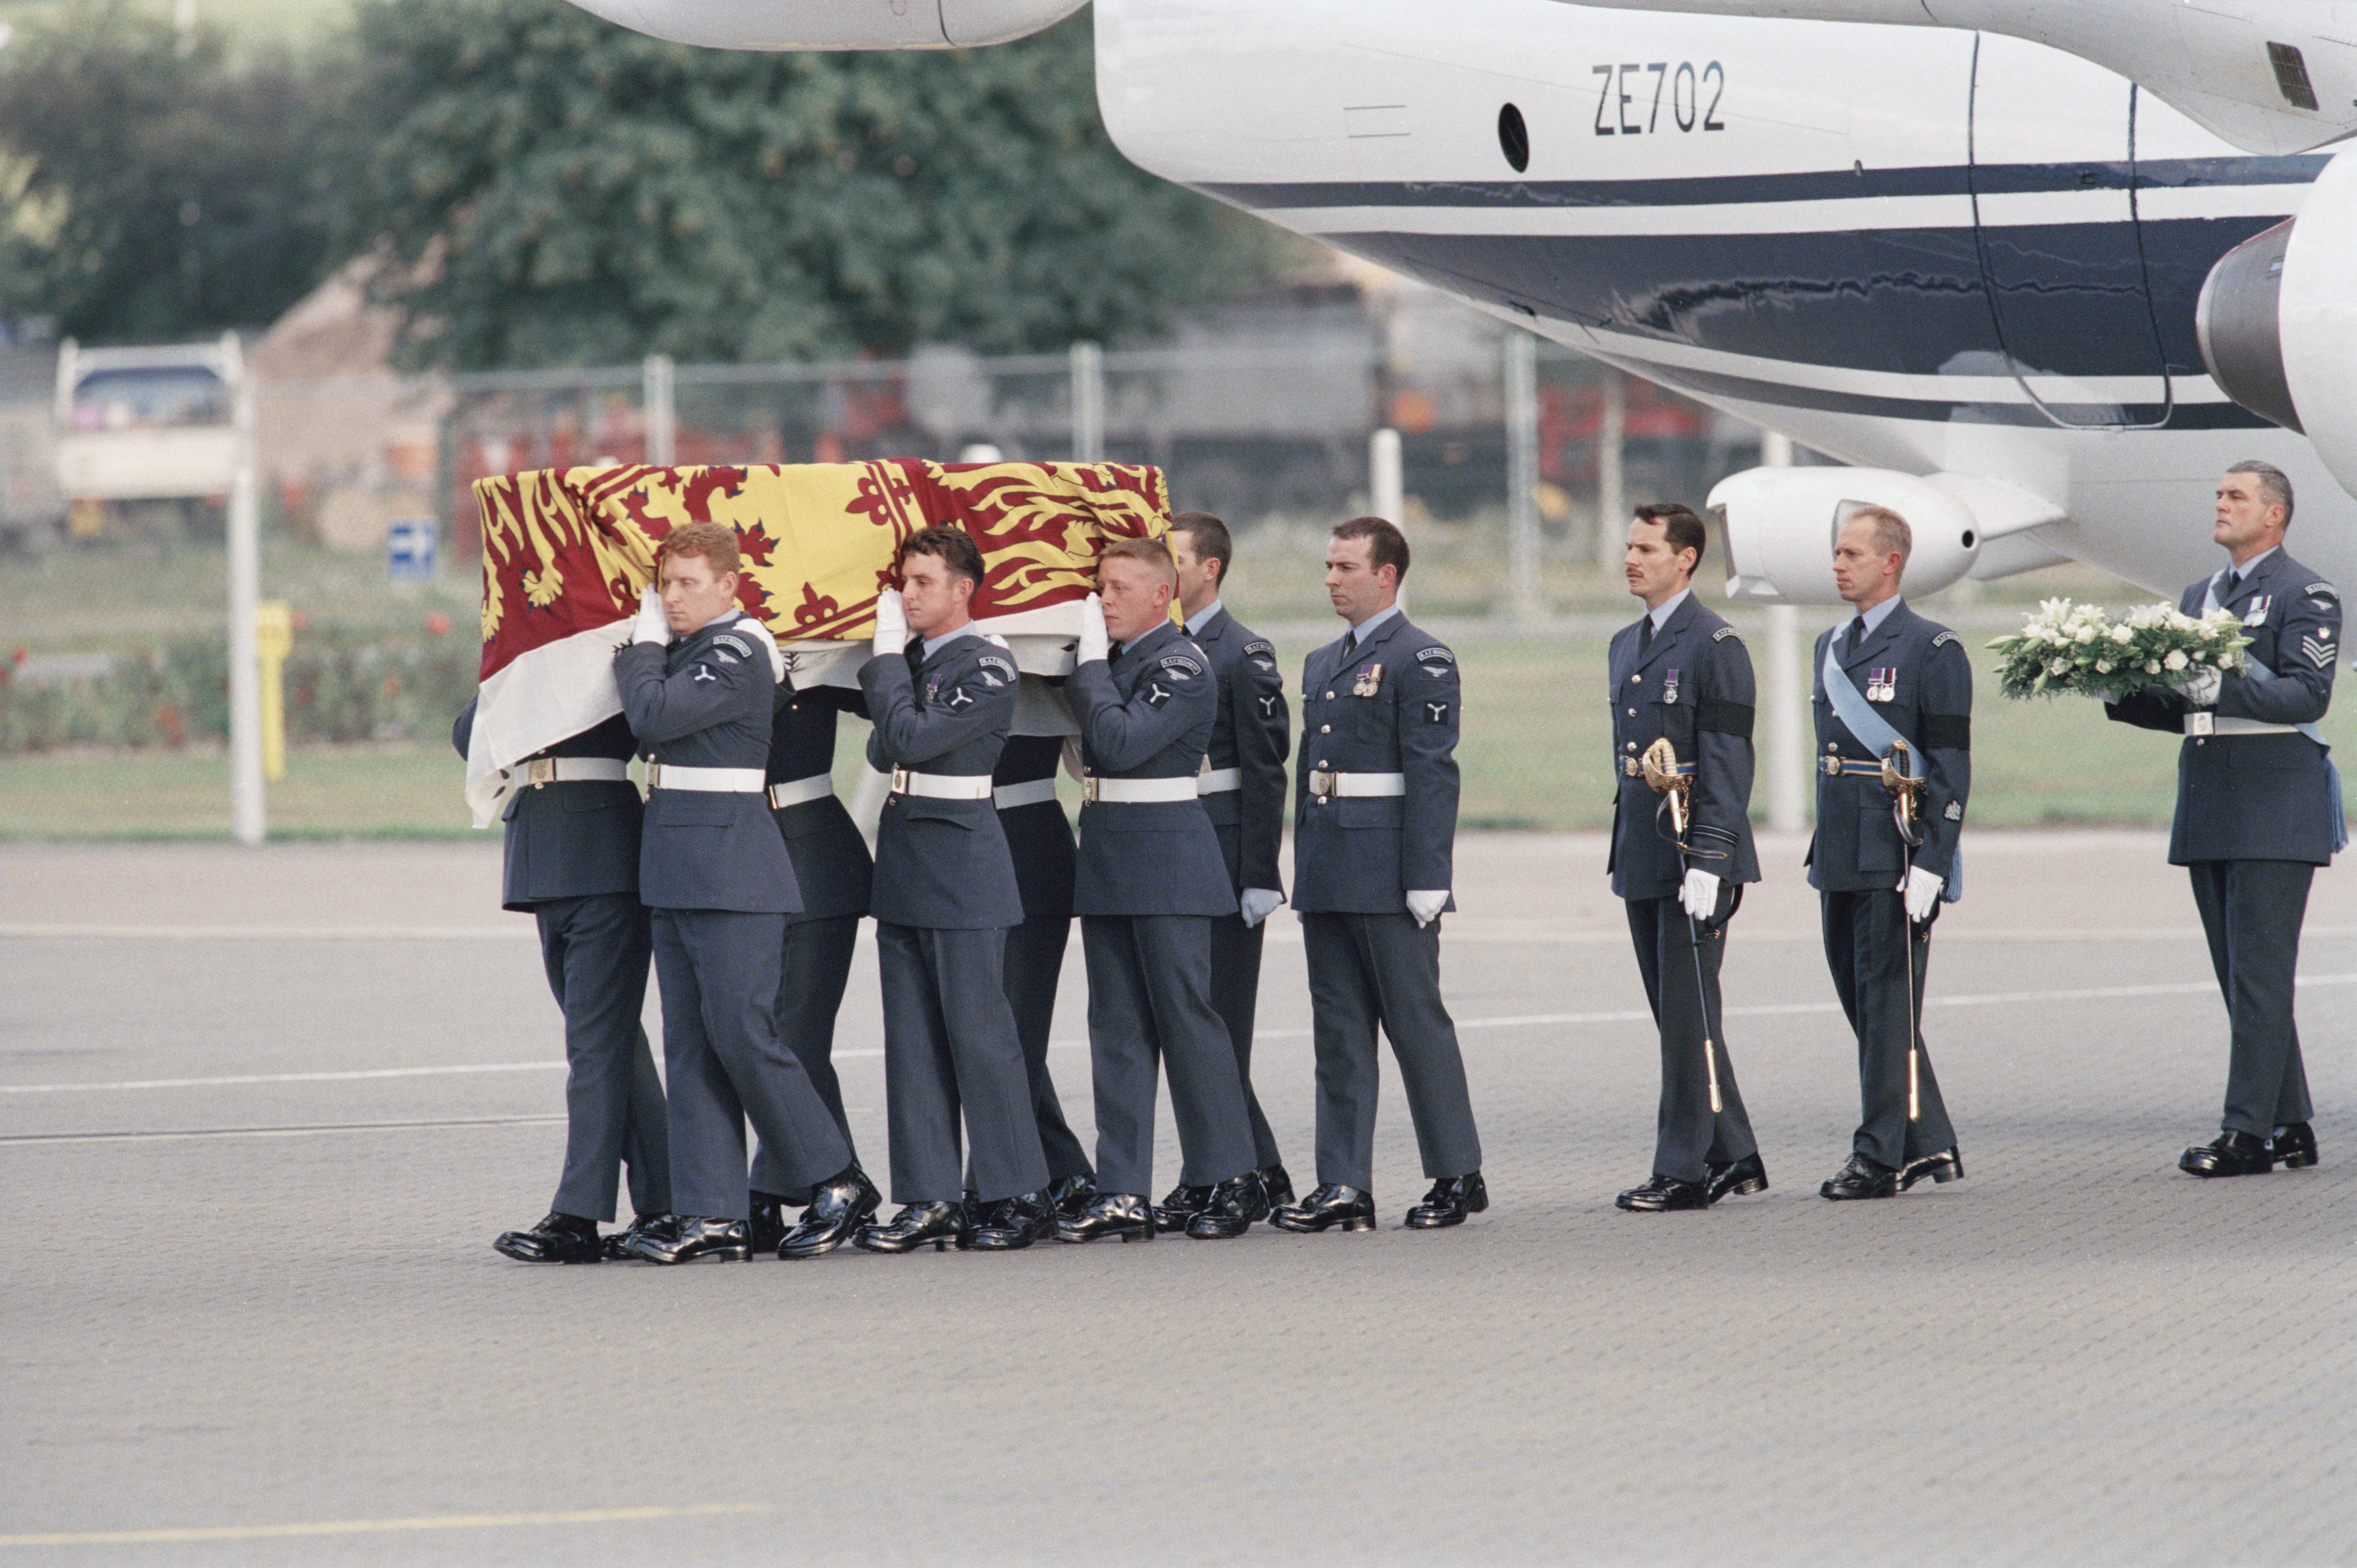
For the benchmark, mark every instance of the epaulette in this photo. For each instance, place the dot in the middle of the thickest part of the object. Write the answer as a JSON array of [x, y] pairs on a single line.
[[1943, 637], [1435, 653], [1183, 667], [1722, 634]]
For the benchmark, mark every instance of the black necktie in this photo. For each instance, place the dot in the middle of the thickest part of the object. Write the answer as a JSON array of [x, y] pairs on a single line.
[[1645, 635], [1857, 635]]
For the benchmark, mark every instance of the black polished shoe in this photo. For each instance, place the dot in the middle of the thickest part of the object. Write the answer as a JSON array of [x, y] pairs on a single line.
[[1449, 1201], [2229, 1154], [1944, 1166], [1326, 1206], [1277, 1186], [767, 1227], [619, 1242], [1229, 1211], [1071, 1194], [1861, 1179], [915, 1224], [557, 1239], [690, 1237], [1014, 1223], [1124, 1214], [1179, 1205], [1662, 1194], [2294, 1146], [1740, 1179], [838, 1206]]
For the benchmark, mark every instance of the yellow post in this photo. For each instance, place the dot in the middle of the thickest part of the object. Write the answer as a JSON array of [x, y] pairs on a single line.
[[274, 638]]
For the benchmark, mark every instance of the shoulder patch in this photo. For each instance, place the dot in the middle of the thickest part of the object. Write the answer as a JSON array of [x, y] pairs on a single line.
[[732, 649], [1181, 666], [1260, 645], [2321, 588], [1423, 655], [1722, 634], [993, 661], [1943, 637]]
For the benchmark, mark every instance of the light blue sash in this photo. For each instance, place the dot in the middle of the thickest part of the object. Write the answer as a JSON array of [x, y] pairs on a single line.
[[2259, 671], [1874, 732]]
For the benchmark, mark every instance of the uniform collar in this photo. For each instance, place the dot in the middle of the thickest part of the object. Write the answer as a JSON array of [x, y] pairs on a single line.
[[1204, 617], [2238, 576], [1367, 630], [1877, 615], [1124, 649], [1661, 613], [935, 644]]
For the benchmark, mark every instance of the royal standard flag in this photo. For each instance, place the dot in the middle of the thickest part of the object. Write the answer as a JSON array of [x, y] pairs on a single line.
[[567, 553]]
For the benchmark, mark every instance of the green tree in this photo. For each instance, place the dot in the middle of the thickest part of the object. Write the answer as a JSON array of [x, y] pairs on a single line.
[[551, 189], [149, 194]]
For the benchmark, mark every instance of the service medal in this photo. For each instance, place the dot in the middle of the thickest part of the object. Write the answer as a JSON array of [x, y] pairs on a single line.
[[1670, 687], [1369, 679]]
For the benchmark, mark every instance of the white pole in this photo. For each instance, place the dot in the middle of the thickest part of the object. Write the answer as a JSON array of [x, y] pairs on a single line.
[[1528, 602], [1088, 403], [1612, 474], [1387, 485], [245, 796], [1787, 779], [659, 397]]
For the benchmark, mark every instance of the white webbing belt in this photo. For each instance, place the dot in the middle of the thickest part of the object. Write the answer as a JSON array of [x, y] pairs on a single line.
[[800, 791], [1030, 792], [2201, 722], [1138, 791], [711, 781], [541, 771], [1356, 785], [941, 786], [1219, 780]]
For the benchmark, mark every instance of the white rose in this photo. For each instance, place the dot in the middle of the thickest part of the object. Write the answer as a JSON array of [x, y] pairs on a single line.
[[2123, 635], [2152, 666], [2176, 659], [2085, 634], [2058, 666]]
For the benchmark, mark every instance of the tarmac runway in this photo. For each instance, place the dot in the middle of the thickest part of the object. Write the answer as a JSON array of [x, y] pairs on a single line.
[[261, 1113]]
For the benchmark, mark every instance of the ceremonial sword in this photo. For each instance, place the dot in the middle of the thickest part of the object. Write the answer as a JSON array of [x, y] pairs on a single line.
[[1660, 764], [1904, 788]]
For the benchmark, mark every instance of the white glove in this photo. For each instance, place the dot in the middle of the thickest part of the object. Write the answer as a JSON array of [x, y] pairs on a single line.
[[1700, 893], [1923, 890], [1258, 904], [2201, 687], [651, 626], [1425, 903], [891, 624], [1095, 642]]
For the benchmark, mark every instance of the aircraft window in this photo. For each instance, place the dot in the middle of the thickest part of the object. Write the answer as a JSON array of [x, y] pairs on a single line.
[[161, 397], [1514, 137]]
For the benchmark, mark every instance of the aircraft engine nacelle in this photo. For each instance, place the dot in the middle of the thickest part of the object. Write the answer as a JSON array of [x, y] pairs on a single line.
[[834, 24], [2278, 321], [1780, 524]]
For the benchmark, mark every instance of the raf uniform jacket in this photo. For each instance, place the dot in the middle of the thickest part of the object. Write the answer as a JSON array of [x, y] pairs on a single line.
[[832, 864], [941, 864], [1147, 713], [568, 841], [1039, 836], [1251, 732], [1693, 687], [1392, 707], [704, 701], [1929, 703], [2256, 797]]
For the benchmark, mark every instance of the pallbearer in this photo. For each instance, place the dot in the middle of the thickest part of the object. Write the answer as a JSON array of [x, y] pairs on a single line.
[[1681, 674], [1894, 703], [1375, 833], [1243, 787], [2259, 810], [699, 684]]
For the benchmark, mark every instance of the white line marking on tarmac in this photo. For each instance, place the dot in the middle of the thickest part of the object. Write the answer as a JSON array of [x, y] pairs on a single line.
[[1506, 1021], [375, 1526], [314, 1131]]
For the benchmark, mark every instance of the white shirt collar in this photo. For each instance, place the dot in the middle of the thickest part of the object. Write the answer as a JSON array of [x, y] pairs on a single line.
[[1202, 617], [1662, 613], [1366, 628], [933, 644]]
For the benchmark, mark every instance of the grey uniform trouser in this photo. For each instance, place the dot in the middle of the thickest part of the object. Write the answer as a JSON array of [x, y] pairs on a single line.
[[1688, 1137], [951, 1053], [812, 972], [1384, 971], [719, 974], [2252, 910], [1867, 940], [1149, 1002], [595, 950], [1035, 963], [1235, 995]]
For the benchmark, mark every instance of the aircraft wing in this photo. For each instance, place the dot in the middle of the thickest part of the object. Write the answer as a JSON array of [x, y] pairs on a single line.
[[2271, 76], [834, 24]]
